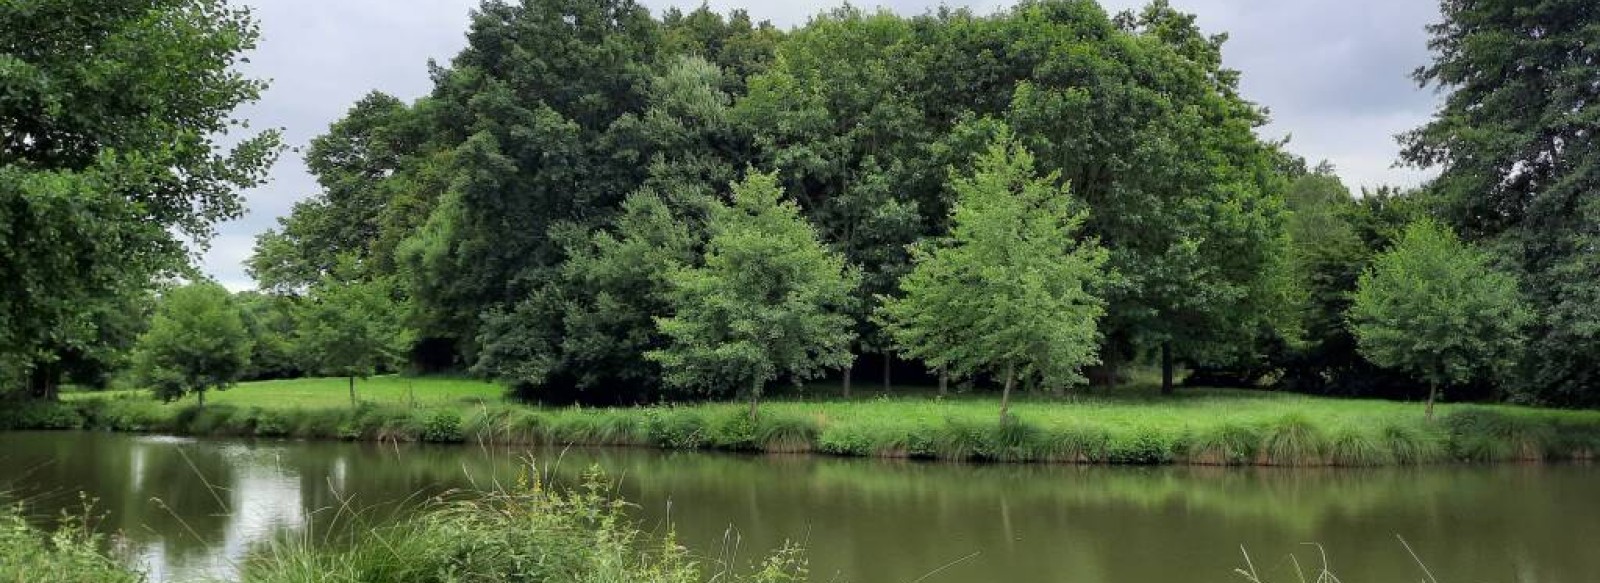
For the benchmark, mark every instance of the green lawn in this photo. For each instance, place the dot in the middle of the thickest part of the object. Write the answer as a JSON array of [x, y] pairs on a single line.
[[329, 393]]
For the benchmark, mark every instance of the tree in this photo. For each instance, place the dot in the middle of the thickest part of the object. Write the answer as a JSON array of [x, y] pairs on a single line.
[[356, 163], [590, 329], [768, 301], [1519, 167], [1437, 309], [352, 329], [1012, 290], [110, 113], [271, 322], [196, 342]]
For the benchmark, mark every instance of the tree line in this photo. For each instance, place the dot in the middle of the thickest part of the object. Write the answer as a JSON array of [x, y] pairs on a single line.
[[599, 204]]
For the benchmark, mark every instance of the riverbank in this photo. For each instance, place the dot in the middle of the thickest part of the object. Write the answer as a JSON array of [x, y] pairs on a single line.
[[1199, 426]]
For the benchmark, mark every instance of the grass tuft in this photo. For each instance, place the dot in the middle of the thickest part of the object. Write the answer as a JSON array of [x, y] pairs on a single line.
[[1350, 446], [1225, 445], [1293, 440]]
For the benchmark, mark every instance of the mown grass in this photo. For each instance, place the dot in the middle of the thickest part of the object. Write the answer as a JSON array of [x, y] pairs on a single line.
[[1132, 426]]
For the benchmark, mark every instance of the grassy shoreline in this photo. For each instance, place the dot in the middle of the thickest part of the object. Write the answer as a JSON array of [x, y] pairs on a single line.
[[1201, 427]]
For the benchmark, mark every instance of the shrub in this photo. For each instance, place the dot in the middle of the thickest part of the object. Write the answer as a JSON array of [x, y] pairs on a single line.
[[39, 415], [732, 429], [1145, 447], [271, 423], [676, 428], [442, 427]]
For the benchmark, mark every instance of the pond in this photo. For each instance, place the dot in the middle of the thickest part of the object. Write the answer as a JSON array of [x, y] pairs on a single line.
[[193, 508]]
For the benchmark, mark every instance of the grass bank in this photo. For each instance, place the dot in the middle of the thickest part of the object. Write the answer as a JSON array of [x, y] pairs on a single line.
[[1133, 426], [524, 534]]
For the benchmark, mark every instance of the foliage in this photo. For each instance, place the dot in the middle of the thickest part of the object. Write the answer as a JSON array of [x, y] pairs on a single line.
[[1012, 289], [110, 117], [1515, 143], [596, 322], [525, 533], [767, 302], [354, 163], [196, 342], [351, 329], [1437, 309], [70, 554], [270, 320]]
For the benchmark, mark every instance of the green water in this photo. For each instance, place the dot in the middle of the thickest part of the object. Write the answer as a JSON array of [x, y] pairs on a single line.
[[192, 508]]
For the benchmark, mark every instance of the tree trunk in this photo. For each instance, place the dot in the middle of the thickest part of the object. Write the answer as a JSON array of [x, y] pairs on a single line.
[[352, 392], [755, 398], [848, 372], [1433, 393], [888, 362], [944, 384], [1166, 367], [1005, 396], [201, 395], [44, 383]]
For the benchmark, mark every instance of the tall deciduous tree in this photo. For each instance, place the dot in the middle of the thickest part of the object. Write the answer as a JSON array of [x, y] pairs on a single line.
[[1437, 308], [197, 342], [590, 329], [352, 329], [356, 163], [110, 115], [769, 300], [1011, 291], [1520, 168]]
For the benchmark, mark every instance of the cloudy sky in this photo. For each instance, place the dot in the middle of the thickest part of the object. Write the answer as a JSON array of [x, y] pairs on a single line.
[[1333, 72]]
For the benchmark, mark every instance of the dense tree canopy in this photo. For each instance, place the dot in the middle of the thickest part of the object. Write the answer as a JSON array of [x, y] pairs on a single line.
[[111, 118], [1515, 140]]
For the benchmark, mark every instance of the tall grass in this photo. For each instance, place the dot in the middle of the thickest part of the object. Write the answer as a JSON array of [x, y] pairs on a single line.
[[1201, 428], [527, 533], [71, 554]]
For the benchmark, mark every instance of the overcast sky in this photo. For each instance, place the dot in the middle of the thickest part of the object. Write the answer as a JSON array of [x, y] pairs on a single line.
[[1335, 74]]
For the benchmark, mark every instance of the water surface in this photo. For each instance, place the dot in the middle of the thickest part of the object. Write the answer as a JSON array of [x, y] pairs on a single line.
[[191, 508]]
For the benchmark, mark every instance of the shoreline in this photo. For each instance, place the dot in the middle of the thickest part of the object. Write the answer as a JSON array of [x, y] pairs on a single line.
[[1297, 433]]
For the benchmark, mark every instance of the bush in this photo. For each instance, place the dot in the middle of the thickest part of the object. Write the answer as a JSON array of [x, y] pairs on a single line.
[[675, 428], [39, 415], [442, 427], [1146, 447]]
